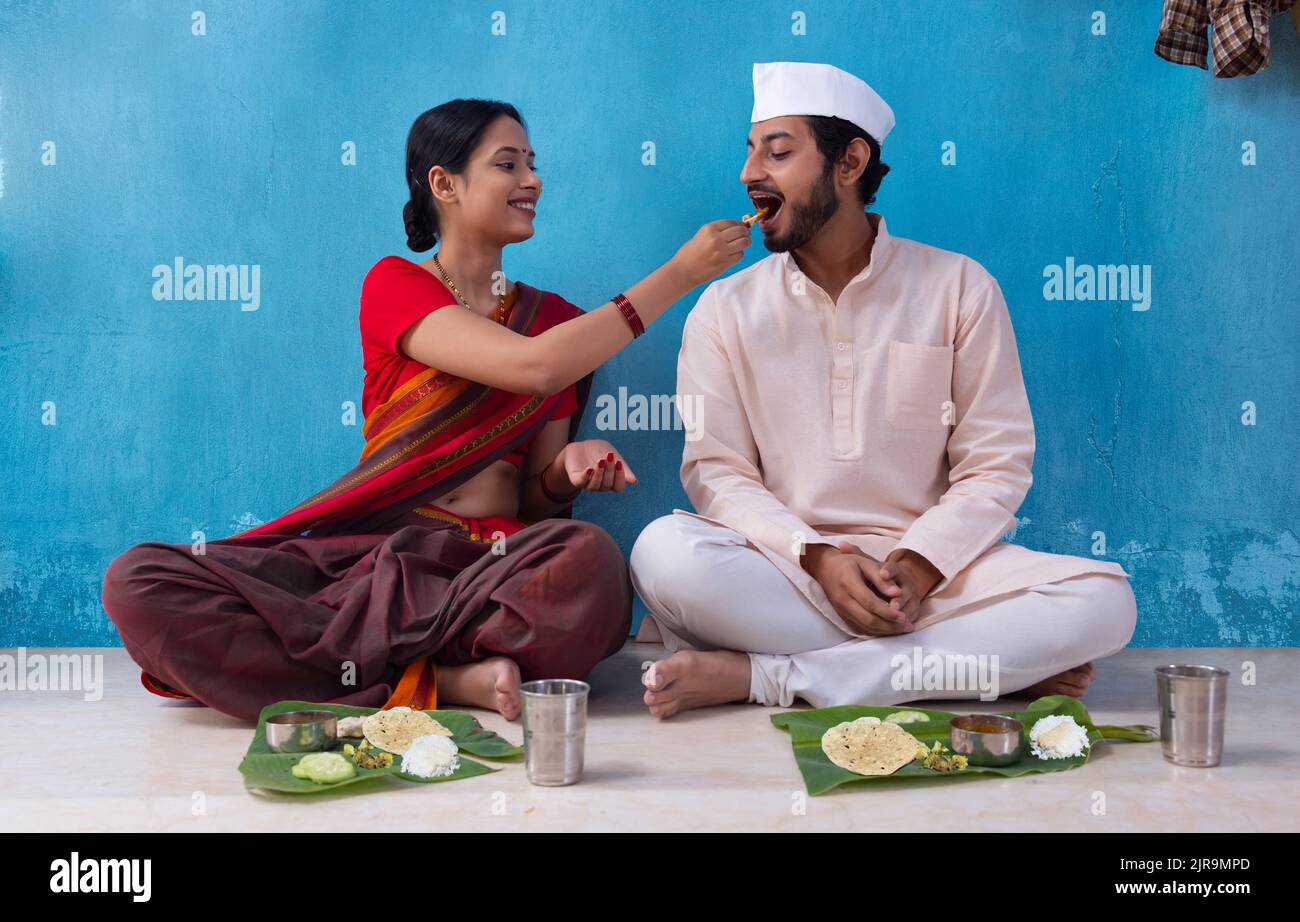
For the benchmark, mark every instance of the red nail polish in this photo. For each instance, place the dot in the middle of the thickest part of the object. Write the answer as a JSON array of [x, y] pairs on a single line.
[[601, 464], [618, 465], [609, 457], [590, 471]]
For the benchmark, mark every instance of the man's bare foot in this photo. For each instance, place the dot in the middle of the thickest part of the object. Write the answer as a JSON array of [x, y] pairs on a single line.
[[1073, 682], [491, 683], [696, 678]]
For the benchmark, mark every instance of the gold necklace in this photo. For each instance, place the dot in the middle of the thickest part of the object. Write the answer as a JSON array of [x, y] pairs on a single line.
[[501, 305]]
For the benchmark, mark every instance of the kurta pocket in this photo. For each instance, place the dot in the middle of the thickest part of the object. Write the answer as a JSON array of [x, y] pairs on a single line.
[[918, 390]]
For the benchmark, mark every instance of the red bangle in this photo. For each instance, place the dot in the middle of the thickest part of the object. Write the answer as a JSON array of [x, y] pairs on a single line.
[[629, 314]]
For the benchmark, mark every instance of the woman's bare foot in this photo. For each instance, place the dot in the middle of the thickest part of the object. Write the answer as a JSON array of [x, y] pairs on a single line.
[[491, 683], [696, 678], [1073, 682]]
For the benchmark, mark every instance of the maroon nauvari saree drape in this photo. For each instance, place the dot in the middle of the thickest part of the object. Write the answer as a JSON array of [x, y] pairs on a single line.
[[354, 594]]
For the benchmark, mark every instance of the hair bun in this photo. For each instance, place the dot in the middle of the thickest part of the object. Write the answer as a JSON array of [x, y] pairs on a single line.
[[420, 234]]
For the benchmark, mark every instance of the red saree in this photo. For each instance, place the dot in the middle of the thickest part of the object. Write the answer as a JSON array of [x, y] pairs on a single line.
[[354, 593]]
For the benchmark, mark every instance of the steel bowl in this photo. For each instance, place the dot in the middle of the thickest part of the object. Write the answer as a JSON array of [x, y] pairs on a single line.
[[302, 731], [987, 739]]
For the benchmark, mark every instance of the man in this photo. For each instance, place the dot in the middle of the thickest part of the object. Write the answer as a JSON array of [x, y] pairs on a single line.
[[865, 441]]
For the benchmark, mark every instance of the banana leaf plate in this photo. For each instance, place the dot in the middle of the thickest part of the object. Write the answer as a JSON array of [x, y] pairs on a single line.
[[266, 770], [820, 774]]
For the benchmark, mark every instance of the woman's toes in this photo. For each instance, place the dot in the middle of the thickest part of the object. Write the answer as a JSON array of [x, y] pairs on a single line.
[[508, 706], [505, 688]]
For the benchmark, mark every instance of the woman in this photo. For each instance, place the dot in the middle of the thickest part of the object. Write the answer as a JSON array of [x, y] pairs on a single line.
[[444, 568]]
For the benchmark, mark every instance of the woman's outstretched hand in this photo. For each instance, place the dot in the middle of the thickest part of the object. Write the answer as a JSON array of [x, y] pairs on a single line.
[[715, 248], [595, 465]]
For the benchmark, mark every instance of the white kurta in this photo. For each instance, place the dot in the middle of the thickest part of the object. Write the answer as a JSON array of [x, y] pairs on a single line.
[[896, 417]]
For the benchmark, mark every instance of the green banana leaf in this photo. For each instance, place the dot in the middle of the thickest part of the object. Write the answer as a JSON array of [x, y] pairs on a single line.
[[273, 771], [820, 774]]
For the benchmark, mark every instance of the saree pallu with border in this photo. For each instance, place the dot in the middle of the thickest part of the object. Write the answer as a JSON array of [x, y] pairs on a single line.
[[351, 595]]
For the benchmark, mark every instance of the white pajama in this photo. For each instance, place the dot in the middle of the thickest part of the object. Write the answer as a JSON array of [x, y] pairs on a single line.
[[706, 589]]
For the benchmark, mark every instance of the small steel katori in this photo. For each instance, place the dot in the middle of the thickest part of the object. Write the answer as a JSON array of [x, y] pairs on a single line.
[[302, 731], [987, 739]]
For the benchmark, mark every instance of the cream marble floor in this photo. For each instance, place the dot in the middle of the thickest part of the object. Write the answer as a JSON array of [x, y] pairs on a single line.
[[132, 761]]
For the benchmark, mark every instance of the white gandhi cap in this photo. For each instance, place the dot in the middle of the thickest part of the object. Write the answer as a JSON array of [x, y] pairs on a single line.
[[791, 88]]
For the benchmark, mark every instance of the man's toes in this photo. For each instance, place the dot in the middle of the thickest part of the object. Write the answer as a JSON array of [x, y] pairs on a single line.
[[658, 698], [652, 676], [663, 702], [657, 676], [1074, 689], [663, 708], [1081, 679], [668, 671]]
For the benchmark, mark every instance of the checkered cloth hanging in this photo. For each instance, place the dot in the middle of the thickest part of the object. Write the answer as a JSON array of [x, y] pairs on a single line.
[[1239, 45]]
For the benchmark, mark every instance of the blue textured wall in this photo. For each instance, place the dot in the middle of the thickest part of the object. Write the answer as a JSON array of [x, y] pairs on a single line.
[[226, 148]]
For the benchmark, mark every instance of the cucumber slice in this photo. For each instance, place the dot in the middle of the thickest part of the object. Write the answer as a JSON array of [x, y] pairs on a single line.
[[907, 717], [324, 768]]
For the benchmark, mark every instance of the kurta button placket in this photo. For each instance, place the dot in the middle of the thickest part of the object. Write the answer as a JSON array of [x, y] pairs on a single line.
[[841, 392]]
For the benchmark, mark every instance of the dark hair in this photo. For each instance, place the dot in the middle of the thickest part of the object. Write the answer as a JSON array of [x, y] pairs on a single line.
[[443, 136], [833, 136]]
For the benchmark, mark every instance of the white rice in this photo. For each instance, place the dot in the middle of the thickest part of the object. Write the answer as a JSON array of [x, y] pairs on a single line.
[[1057, 737], [431, 756]]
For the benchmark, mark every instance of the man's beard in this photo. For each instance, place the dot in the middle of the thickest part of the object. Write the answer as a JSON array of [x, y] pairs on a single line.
[[806, 218]]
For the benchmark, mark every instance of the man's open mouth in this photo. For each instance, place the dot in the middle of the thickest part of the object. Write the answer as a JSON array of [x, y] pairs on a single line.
[[769, 201]]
